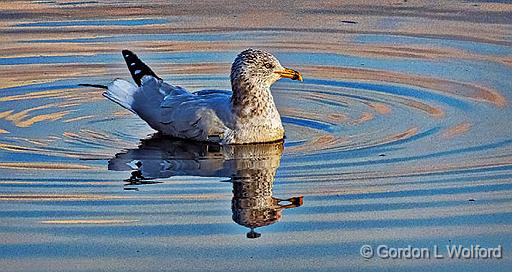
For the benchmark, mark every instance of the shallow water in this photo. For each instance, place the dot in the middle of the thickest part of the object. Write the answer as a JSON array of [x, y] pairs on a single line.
[[399, 135]]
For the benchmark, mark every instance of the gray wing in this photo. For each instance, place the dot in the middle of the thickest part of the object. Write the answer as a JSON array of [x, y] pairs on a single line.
[[205, 93], [203, 116]]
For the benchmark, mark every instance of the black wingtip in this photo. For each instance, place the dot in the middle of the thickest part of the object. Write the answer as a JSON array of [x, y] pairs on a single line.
[[138, 69], [93, 85], [127, 52]]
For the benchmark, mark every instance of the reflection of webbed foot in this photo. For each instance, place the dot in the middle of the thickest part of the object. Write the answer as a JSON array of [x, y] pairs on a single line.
[[252, 234]]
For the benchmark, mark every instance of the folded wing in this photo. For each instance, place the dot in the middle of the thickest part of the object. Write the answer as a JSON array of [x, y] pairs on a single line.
[[202, 116]]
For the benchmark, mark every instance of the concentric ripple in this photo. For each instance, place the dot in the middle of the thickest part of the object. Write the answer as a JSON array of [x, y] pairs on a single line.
[[399, 134], [342, 109]]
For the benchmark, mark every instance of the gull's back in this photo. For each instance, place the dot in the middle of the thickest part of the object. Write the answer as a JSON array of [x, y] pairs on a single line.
[[201, 116]]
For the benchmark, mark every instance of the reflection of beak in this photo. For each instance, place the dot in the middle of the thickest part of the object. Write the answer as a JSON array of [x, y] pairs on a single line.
[[289, 73]]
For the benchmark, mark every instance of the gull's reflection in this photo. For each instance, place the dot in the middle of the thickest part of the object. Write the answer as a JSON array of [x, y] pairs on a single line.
[[250, 168]]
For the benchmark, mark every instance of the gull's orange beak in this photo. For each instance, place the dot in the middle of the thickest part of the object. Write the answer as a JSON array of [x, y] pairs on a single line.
[[289, 73]]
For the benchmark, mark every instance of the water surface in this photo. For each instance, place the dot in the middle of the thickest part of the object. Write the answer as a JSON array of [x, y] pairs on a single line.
[[399, 135]]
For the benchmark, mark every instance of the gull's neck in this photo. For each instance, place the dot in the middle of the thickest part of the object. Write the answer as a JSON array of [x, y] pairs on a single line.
[[255, 116], [252, 100]]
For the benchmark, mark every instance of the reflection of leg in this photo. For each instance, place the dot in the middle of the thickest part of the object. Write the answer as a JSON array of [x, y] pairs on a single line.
[[294, 202]]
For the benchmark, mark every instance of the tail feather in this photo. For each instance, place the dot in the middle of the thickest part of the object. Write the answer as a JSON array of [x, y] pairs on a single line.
[[143, 99], [121, 92], [138, 69]]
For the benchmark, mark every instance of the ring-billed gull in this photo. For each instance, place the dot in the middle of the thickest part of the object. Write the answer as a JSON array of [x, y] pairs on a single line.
[[245, 115]]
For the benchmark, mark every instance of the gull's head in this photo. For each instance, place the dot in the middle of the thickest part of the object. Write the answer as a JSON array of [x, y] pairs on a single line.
[[257, 67]]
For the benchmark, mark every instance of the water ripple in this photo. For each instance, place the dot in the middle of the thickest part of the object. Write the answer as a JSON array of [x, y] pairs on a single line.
[[399, 133]]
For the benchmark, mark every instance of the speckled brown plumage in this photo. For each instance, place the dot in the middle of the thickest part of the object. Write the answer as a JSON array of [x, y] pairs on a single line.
[[250, 74]]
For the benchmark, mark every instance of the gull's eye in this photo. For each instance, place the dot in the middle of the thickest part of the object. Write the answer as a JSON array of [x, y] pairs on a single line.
[[269, 66]]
